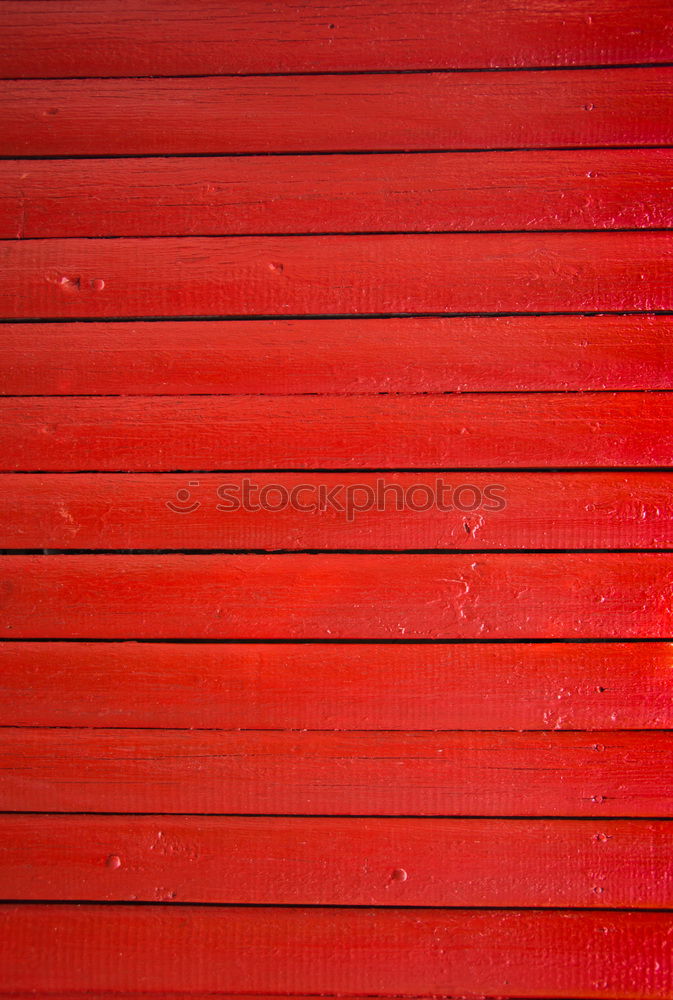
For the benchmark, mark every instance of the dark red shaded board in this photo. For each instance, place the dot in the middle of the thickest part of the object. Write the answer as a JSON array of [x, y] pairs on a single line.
[[291, 511], [337, 862], [147, 37], [330, 432], [336, 275], [493, 596], [578, 189], [340, 356], [325, 113], [355, 773], [458, 686], [390, 952]]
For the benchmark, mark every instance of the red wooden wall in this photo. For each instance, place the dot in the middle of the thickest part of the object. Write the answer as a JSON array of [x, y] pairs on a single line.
[[300, 747]]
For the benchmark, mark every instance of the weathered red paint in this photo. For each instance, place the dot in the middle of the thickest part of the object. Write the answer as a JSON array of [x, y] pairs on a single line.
[[457, 686], [324, 113], [170, 433], [445, 193], [229, 196], [338, 356], [291, 511], [336, 275], [147, 37], [350, 773], [387, 952], [335, 861], [335, 596]]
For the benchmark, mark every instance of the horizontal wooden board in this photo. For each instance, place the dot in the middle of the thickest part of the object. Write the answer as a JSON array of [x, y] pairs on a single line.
[[462, 686], [336, 275], [357, 773], [295, 511], [579, 189], [171, 995], [171, 433], [493, 596], [607, 596], [388, 952], [360, 113], [165, 995], [147, 37], [422, 354], [338, 862]]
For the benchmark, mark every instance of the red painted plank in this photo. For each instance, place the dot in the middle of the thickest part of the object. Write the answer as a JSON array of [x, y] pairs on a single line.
[[165, 995], [582, 189], [388, 952], [146, 37], [363, 113], [461, 686], [286, 275], [295, 511], [495, 596], [337, 862], [372, 432], [355, 773], [427, 354], [169, 995]]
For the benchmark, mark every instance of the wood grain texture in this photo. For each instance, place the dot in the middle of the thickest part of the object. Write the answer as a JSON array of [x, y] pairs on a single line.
[[155, 37], [462, 686], [170, 995], [296, 511], [297, 237], [171, 433], [361, 113], [337, 862], [336, 275], [157, 196], [357, 773], [385, 952], [422, 354], [165, 994], [494, 596]]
